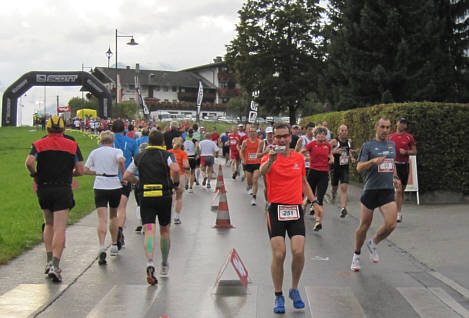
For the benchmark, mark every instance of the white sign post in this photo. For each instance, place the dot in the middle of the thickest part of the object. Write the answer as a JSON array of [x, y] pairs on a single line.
[[413, 182]]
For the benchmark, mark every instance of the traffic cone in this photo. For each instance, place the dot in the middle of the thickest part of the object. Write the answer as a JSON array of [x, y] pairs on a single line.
[[220, 182], [223, 215]]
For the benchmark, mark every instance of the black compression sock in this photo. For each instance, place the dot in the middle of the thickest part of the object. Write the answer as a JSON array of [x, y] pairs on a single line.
[[357, 252], [278, 294]]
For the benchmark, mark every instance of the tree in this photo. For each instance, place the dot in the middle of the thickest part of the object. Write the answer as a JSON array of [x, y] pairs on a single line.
[[237, 105], [77, 103], [276, 51], [381, 51], [128, 109]]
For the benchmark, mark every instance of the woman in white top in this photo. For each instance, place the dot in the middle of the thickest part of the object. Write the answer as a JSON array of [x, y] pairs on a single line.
[[105, 163]]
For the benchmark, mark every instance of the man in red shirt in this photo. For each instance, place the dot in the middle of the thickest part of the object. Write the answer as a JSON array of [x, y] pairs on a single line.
[[215, 136], [234, 140], [405, 147], [285, 175], [251, 161]]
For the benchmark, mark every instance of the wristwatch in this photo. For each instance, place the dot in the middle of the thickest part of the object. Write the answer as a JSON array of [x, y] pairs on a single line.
[[396, 177], [33, 174]]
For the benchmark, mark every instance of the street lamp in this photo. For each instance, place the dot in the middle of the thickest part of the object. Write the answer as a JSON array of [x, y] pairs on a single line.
[[131, 42], [108, 54]]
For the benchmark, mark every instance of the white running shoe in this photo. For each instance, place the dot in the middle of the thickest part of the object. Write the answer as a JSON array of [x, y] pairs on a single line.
[[250, 191], [114, 250], [374, 257], [355, 267], [164, 271], [190, 190], [253, 202], [177, 221], [399, 217]]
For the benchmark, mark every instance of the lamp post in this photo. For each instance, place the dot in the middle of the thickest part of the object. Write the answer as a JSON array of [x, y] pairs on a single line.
[[131, 42], [109, 55]]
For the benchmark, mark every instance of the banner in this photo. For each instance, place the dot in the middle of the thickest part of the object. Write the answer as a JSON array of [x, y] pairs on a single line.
[[63, 109], [139, 97], [200, 95], [253, 108]]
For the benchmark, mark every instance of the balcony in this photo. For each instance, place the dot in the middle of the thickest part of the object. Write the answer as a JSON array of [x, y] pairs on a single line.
[[155, 104], [229, 92], [192, 97]]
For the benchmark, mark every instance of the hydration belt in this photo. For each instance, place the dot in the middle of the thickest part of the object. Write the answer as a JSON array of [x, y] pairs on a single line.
[[106, 175], [154, 190]]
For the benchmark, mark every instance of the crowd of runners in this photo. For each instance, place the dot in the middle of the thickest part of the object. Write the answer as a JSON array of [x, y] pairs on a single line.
[[162, 167]]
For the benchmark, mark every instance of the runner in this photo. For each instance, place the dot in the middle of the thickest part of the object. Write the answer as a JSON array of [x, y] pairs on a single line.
[[225, 147], [58, 159], [341, 149], [191, 147], [318, 177], [129, 149], [302, 142], [105, 162], [251, 162], [286, 182], [234, 140], [198, 136], [376, 160], [183, 162], [264, 148], [405, 147], [208, 151], [155, 185]]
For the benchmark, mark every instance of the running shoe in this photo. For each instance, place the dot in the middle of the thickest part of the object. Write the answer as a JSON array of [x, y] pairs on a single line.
[[177, 221], [48, 266], [279, 307], [234, 176], [399, 217], [151, 279], [114, 250], [102, 258], [186, 186], [205, 181], [164, 271], [374, 257], [196, 182], [138, 229], [190, 190], [343, 212], [55, 274], [253, 202], [355, 267], [294, 295], [250, 191], [208, 185], [311, 210], [317, 227]]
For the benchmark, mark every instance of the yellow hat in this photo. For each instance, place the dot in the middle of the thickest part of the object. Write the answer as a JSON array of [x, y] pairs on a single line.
[[55, 123]]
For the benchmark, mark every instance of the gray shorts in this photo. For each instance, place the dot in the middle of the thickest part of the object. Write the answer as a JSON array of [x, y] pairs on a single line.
[[207, 161]]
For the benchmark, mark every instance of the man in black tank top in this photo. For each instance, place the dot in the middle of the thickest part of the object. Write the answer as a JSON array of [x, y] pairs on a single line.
[[341, 149]]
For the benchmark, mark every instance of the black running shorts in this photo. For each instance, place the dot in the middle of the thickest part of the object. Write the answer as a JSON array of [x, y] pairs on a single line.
[[226, 150], [103, 197], [251, 167], [373, 199], [55, 198], [156, 206], [192, 162], [279, 228], [402, 170], [339, 174], [125, 190]]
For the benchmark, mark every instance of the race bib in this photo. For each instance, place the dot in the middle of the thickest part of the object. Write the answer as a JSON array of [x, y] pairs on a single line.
[[288, 212], [343, 160], [252, 156], [386, 166], [233, 142], [307, 163]]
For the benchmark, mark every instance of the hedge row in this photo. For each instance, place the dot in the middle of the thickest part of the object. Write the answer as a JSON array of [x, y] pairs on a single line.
[[441, 131]]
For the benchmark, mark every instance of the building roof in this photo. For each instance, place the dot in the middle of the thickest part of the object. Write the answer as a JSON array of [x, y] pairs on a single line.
[[206, 66], [156, 78]]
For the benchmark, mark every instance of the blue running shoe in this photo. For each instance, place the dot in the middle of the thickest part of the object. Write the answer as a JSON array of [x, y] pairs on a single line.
[[294, 295], [279, 305]]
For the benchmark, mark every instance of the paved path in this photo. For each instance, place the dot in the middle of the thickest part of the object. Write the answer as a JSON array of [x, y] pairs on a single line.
[[423, 270]]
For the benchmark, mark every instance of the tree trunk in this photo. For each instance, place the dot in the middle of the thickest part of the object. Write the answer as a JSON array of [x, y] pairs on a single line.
[[292, 114]]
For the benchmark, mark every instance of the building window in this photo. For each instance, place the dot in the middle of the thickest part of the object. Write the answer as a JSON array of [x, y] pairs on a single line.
[[165, 88], [175, 89], [132, 86], [157, 88], [183, 90]]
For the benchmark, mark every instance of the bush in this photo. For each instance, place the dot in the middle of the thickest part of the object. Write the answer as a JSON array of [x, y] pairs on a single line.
[[440, 130]]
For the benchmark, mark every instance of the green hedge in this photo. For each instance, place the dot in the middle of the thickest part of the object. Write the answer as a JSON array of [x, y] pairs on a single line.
[[440, 130]]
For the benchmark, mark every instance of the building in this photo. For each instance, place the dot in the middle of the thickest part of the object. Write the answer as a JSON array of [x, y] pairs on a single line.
[[176, 92]]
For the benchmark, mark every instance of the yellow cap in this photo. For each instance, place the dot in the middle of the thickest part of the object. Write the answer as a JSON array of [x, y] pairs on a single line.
[[55, 123]]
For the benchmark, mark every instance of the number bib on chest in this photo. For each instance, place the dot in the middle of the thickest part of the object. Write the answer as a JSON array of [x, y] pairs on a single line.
[[386, 166], [343, 160], [233, 142], [307, 163], [252, 156], [288, 212]]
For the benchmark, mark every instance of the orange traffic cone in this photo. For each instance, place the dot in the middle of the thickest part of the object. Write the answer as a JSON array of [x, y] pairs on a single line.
[[223, 215]]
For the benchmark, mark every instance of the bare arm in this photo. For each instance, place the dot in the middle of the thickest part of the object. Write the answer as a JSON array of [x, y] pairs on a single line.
[[265, 167], [121, 165], [31, 164], [299, 143], [176, 171], [130, 177], [79, 169], [241, 150], [362, 166]]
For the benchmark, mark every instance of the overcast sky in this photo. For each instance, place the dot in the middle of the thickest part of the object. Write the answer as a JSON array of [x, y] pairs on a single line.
[[61, 35]]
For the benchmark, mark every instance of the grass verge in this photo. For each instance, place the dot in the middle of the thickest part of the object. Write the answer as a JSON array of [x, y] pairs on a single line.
[[20, 214]]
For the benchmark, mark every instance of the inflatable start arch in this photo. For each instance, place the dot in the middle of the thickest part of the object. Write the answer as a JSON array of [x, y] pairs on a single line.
[[30, 79]]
